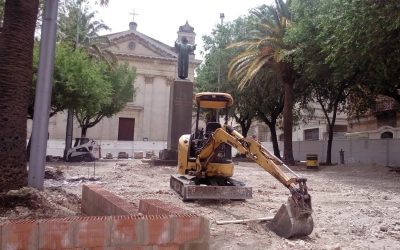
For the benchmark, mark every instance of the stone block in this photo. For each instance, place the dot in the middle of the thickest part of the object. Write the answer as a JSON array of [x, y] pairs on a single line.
[[167, 154], [138, 155], [123, 155], [150, 154], [109, 156]]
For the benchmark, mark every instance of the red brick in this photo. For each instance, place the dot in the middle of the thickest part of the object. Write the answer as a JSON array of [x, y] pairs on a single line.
[[92, 232], [187, 228], [157, 207], [157, 230], [126, 230], [168, 247], [97, 201], [56, 234], [19, 235]]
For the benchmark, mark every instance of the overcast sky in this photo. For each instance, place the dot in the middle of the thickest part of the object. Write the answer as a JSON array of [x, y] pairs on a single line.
[[161, 19]]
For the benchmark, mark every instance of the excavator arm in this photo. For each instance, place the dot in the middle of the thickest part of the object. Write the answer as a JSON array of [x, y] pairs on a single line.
[[294, 217]]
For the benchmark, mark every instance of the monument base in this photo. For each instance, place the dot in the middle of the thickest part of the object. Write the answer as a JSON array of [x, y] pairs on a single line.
[[167, 154], [180, 112]]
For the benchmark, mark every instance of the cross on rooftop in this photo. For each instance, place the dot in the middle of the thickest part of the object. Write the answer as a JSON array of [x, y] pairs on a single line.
[[133, 15]]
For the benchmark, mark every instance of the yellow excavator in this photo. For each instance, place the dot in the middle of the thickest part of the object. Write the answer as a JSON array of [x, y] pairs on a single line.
[[205, 169]]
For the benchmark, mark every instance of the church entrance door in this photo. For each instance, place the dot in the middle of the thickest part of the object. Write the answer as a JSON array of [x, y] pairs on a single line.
[[126, 128]]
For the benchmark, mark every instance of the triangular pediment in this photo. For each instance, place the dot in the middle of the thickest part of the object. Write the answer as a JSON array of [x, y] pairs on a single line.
[[134, 43]]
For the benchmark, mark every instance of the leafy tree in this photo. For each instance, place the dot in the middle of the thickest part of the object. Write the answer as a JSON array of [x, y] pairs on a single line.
[[324, 83], [242, 111], [16, 50], [56, 103], [267, 48], [122, 91], [78, 27], [368, 54], [338, 57], [213, 73], [268, 101]]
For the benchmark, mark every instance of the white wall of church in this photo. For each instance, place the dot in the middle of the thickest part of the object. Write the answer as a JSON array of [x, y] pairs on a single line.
[[156, 70]]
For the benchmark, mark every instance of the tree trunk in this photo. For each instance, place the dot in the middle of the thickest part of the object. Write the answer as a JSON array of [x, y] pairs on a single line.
[[16, 49], [274, 139], [83, 131], [245, 128], [288, 78], [288, 124], [329, 149]]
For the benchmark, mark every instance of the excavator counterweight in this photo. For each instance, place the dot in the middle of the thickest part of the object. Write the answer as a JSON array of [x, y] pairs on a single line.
[[205, 169]]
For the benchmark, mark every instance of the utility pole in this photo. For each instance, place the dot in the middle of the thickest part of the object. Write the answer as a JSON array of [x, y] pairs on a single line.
[[40, 126], [221, 16]]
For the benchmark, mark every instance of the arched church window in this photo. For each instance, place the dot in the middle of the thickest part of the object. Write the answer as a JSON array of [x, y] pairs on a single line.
[[387, 135]]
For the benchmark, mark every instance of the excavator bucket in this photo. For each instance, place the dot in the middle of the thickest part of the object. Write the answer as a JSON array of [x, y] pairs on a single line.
[[292, 221]]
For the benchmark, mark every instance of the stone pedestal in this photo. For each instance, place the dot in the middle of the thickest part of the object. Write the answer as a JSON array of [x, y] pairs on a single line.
[[180, 116]]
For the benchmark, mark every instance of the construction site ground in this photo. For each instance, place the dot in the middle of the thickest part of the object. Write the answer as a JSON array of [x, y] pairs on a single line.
[[355, 207]]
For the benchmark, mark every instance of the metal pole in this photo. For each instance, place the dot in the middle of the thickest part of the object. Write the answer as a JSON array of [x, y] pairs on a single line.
[[40, 125], [221, 16]]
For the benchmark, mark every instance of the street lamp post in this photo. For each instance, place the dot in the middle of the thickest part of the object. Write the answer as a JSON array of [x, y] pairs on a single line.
[[40, 125]]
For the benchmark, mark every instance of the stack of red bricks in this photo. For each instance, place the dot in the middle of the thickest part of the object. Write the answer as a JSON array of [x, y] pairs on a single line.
[[162, 226]]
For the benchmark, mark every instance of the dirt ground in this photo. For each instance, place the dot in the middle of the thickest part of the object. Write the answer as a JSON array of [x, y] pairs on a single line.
[[355, 207]]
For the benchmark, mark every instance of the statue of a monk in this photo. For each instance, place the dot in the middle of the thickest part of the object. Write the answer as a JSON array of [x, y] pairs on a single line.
[[184, 50]]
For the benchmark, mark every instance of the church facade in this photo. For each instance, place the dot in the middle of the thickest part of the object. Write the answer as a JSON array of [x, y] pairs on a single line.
[[146, 117]]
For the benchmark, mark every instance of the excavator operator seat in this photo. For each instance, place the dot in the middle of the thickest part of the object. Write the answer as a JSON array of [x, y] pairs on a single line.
[[211, 127]]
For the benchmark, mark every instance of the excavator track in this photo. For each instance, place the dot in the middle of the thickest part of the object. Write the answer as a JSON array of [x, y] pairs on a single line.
[[188, 190]]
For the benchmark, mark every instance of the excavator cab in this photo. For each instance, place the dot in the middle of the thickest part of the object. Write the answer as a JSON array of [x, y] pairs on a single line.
[[205, 168], [213, 103]]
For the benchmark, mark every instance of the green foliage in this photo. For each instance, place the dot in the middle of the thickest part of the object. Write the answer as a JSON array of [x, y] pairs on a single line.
[[352, 43], [86, 86], [120, 81], [77, 24], [78, 27], [79, 81], [267, 49], [2, 3], [213, 73]]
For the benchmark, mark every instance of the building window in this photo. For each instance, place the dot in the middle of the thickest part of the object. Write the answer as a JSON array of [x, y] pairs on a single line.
[[387, 135], [311, 134]]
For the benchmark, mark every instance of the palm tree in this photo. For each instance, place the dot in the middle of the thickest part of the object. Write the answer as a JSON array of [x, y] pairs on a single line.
[[266, 48], [16, 50], [16, 47], [77, 27]]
